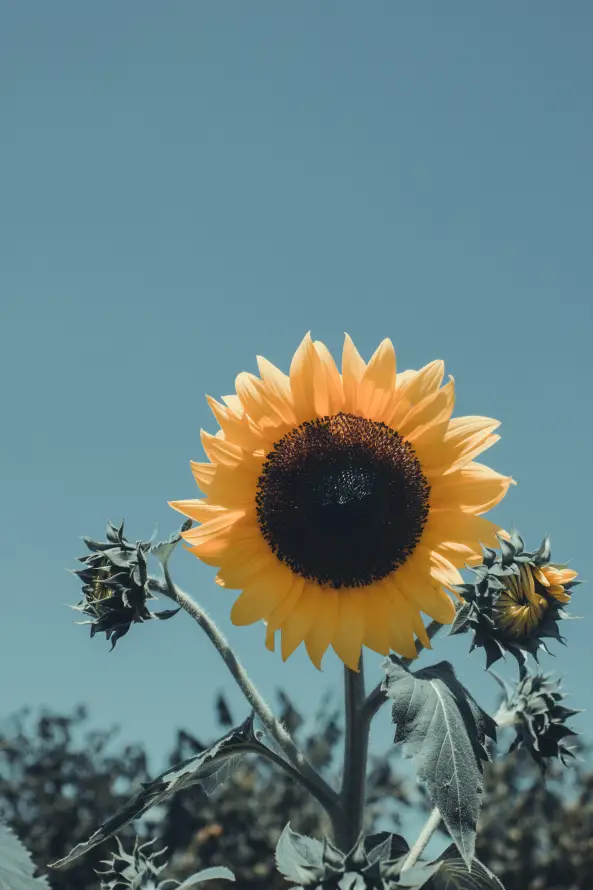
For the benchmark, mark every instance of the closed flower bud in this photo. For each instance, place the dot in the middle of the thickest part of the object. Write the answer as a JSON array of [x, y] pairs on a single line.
[[516, 600], [115, 585]]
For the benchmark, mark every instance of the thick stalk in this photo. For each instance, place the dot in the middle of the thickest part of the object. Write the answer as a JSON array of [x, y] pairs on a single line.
[[317, 786], [356, 741], [430, 826], [378, 697]]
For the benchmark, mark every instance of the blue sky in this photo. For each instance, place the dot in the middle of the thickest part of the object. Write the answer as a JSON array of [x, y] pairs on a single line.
[[184, 186]]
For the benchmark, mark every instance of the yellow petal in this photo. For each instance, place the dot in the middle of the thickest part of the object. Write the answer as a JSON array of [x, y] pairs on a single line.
[[559, 576], [284, 609], [235, 522], [377, 610], [418, 626], [333, 390], [458, 535], [349, 634], [412, 387], [323, 628], [377, 385], [262, 594], [220, 451], [235, 577], [474, 488], [233, 402], [442, 569], [266, 409], [198, 509], [352, 370], [401, 634], [299, 622], [432, 410], [236, 429], [270, 638], [203, 473], [465, 438], [278, 384], [419, 587], [226, 486], [302, 380]]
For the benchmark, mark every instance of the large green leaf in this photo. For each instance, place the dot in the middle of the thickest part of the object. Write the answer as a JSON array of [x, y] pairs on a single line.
[[16, 867], [208, 768], [444, 730]]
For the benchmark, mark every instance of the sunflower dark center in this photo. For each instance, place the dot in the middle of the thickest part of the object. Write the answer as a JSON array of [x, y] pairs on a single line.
[[342, 500]]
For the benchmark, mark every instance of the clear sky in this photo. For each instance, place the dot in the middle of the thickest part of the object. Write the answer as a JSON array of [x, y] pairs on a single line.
[[186, 185]]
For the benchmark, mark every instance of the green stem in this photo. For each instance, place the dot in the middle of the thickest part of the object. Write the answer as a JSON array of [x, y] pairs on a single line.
[[352, 796], [430, 826], [378, 697], [314, 783]]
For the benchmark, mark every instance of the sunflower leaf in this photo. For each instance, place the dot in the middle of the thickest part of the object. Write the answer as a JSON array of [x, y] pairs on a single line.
[[16, 867], [208, 768], [219, 873], [453, 874], [444, 730], [298, 858]]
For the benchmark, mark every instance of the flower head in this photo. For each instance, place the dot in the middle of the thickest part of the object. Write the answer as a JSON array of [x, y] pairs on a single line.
[[516, 601], [536, 712], [115, 585], [341, 504]]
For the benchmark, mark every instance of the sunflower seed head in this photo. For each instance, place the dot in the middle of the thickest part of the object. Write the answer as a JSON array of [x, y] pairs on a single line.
[[487, 616], [536, 712], [115, 585]]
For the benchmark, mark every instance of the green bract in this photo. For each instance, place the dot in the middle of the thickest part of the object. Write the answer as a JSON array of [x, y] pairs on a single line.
[[482, 614], [536, 712], [136, 871]]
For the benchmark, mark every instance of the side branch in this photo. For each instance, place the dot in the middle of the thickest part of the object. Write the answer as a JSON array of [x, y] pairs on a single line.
[[314, 783]]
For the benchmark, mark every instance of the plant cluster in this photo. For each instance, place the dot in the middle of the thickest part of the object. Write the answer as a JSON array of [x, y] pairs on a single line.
[[342, 506]]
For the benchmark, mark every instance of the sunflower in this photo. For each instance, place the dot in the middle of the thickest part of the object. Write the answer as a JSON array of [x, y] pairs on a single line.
[[341, 504]]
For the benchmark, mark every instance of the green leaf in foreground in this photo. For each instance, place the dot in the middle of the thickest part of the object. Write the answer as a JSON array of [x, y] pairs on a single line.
[[453, 874], [444, 730], [16, 867]]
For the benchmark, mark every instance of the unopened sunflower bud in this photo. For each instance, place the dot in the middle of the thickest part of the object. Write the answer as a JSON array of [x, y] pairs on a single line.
[[536, 712], [516, 601], [116, 585]]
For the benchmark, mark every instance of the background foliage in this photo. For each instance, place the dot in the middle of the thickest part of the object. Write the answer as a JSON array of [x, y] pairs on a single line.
[[59, 781]]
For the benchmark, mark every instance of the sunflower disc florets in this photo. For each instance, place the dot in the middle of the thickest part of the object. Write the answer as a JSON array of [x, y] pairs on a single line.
[[116, 585], [536, 712], [516, 600]]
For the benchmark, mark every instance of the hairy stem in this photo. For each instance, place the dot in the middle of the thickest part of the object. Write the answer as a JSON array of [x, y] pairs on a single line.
[[352, 796], [378, 697], [314, 783], [430, 826]]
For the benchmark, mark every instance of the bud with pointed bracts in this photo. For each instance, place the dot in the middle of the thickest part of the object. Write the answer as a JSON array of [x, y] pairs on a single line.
[[536, 712], [132, 871], [116, 585], [516, 600]]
